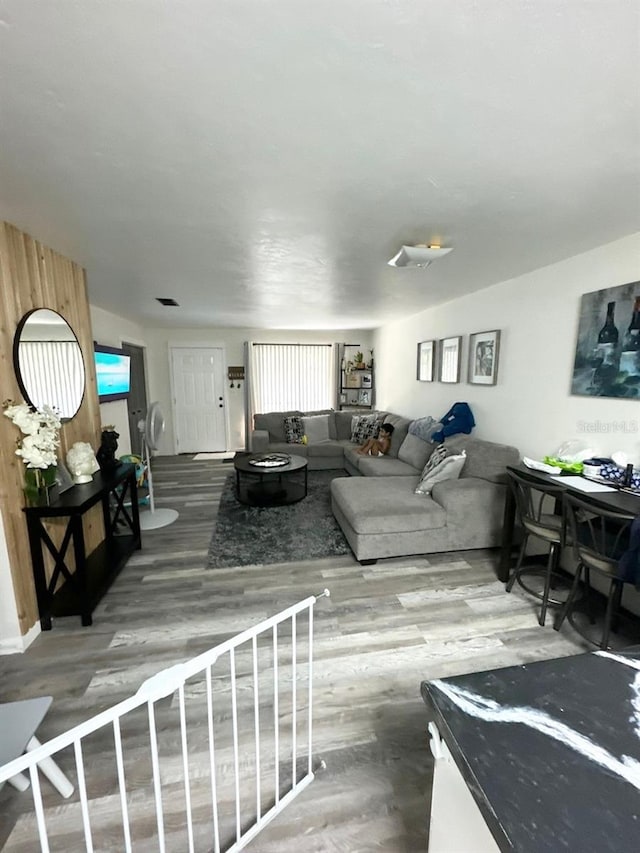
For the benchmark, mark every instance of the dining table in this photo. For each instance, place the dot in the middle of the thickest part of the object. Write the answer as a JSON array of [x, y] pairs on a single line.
[[602, 494]]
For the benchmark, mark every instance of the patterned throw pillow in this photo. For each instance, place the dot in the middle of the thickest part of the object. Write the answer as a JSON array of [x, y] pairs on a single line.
[[439, 455], [449, 468], [364, 427], [293, 429]]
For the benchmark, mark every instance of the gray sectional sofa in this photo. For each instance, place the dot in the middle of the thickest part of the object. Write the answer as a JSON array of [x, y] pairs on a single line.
[[269, 436], [382, 516]]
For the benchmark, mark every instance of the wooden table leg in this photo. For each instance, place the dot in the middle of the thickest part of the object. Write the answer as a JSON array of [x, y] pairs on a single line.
[[81, 570], [34, 527]]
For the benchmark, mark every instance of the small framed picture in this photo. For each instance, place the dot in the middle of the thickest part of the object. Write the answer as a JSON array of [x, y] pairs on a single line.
[[427, 361], [366, 380], [450, 359], [484, 348], [364, 398]]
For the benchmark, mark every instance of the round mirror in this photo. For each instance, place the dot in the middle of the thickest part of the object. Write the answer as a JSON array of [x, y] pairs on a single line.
[[48, 362]]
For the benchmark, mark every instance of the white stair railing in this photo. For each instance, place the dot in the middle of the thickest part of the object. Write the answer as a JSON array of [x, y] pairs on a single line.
[[235, 739]]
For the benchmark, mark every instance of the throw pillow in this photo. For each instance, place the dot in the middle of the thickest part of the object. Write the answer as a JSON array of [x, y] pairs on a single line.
[[316, 427], [364, 427], [439, 455], [449, 469], [293, 429]]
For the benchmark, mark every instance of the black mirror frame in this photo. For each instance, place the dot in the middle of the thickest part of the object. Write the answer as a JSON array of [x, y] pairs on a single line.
[[16, 361]]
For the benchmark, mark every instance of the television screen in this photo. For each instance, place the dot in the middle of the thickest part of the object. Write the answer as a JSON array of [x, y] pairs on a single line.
[[113, 373]]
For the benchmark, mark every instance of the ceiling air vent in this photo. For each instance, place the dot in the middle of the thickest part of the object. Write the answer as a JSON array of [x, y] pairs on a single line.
[[164, 300]]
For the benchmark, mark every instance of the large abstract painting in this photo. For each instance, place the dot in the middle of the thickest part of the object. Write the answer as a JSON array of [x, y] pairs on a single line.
[[607, 361]]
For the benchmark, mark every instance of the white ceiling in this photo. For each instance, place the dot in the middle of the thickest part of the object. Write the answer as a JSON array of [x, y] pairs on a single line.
[[261, 161]]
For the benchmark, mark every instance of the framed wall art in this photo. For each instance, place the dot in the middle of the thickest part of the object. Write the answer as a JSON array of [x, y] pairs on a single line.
[[427, 351], [364, 398], [607, 357], [484, 348], [450, 359]]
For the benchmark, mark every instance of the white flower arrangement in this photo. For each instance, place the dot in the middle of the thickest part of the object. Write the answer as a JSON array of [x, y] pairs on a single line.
[[41, 433]]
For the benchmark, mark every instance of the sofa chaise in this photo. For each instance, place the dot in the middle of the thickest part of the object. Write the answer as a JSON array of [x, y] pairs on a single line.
[[384, 517]]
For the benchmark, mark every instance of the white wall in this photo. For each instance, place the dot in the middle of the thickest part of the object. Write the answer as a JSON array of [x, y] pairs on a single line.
[[531, 406], [112, 330], [232, 340], [10, 639]]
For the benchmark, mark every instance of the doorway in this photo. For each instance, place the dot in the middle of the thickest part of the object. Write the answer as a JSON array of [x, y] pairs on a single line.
[[197, 376], [137, 402]]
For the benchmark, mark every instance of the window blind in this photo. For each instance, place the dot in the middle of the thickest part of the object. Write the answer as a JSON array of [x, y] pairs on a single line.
[[52, 370], [287, 377]]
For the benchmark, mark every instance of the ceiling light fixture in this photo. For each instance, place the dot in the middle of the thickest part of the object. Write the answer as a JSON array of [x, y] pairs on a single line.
[[418, 256]]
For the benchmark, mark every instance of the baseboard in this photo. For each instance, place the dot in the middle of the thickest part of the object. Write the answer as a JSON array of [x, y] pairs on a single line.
[[221, 456], [19, 644]]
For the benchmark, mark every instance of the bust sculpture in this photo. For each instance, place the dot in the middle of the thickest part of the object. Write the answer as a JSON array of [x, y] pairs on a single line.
[[106, 454], [81, 462]]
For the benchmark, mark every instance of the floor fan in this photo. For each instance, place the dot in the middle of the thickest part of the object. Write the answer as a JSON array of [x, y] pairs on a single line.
[[151, 428]]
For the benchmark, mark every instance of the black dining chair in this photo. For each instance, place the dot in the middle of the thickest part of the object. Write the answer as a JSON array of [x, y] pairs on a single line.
[[536, 520], [601, 541]]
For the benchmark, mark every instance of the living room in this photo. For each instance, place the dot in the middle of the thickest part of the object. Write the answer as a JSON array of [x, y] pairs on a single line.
[[284, 237]]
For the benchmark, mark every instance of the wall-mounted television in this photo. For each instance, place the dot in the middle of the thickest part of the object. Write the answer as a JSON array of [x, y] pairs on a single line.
[[113, 373]]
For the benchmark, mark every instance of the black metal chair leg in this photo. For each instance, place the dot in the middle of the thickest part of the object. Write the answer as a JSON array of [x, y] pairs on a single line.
[[568, 605], [588, 597], [617, 601], [611, 619], [556, 551], [551, 562], [604, 643], [514, 575]]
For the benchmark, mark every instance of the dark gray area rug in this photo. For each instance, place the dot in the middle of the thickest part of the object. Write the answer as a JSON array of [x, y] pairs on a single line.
[[307, 530]]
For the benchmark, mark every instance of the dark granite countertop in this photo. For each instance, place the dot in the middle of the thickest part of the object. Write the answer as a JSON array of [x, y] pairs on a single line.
[[550, 750]]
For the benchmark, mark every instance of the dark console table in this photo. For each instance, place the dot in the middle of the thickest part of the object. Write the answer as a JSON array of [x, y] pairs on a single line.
[[81, 590]]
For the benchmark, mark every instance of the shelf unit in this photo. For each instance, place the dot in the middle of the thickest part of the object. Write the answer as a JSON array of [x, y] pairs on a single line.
[[356, 386]]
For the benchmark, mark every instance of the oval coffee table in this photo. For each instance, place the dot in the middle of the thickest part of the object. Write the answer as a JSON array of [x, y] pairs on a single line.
[[270, 486]]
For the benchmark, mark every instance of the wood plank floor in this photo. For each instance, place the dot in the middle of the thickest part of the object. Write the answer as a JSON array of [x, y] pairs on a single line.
[[384, 629]]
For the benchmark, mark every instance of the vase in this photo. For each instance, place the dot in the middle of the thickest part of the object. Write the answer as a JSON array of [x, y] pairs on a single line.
[[38, 485]]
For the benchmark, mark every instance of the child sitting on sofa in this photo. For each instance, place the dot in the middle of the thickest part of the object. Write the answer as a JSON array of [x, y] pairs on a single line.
[[377, 446]]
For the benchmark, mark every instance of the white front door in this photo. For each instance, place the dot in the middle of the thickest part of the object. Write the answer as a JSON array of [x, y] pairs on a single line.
[[198, 399]]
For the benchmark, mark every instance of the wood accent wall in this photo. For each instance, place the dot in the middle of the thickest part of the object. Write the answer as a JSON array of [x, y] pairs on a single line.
[[34, 276]]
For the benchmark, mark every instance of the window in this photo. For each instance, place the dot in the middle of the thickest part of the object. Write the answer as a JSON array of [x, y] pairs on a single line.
[[286, 377]]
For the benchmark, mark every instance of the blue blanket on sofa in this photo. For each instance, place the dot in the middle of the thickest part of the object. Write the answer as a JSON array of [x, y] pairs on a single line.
[[459, 418]]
